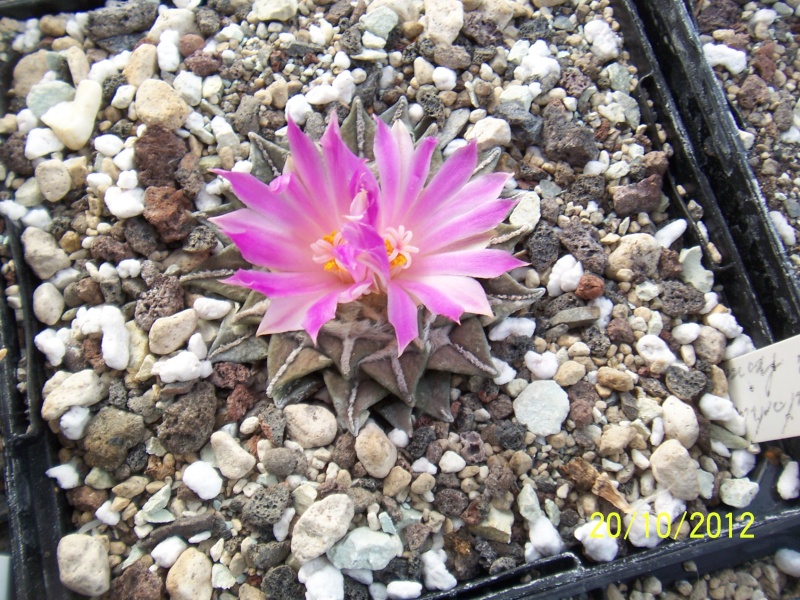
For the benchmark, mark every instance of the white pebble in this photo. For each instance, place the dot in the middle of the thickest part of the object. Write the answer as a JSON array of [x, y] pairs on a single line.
[[12, 210], [341, 60], [323, 581], [605, 43], [190, 87], [41, 142], [37, 217], [106, 515], [733, 60], [667, 235], [505, 372], [321, 95], [125, 160], [123, 96], [726, 323], [73, 422], [434, 571], [167, 552], [742, 462], [203, 480], [451, 462], [544, 538], [423, 465], [211, 309], [108, 144], [109, 321], [652, 348], [404, 590], [345, 86], [398, 437], [542, 366], [564, 276], [444, 78], [128, 180], [788, 561], [102, 70], [298, 109], [598, 544], [686, 333], [717, 408], [197, 346], [281, 529], [67, 476], [784, 229], [130, 267], [789, 481], [512, 326], [739, 346], [49, 343], [184, 366]]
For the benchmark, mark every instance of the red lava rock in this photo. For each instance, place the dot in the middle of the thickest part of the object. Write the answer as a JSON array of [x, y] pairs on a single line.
[[94, 354], [655, 163], [190, 43], [137, 582], [166, 209], [590, 287], [158, 153], [107, 248], [763, 61], [580, 412], [203, 64], [228, 375], [669, 267], [643, 196], [12, 155], [753, 91], [239, 402], [619, 331]]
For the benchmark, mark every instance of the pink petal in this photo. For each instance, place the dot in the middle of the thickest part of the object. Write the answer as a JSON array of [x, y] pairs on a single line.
[[478, 192], [309, 166], [464, 226], [390, 163], [431, 298], [449, 179], [319, 313], [277, 285], [402, 315], [470, 263], [340, 163], [262, 244], [286, 314], [276, 200], [445, 290]]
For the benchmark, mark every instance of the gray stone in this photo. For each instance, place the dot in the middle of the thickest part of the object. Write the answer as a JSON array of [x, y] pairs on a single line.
[[576, 317], [44, 96], [542, 407], [321, 526], [42, 253], [363, 548]]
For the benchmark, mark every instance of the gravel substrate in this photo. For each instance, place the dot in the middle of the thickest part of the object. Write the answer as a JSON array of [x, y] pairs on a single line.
[[753, 47], [184, 472]]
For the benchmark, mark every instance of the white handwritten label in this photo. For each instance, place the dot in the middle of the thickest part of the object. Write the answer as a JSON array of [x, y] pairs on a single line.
[[765, 387]]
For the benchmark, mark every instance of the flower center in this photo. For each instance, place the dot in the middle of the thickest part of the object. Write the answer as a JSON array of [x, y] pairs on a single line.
[[324, 249], [398, 248]]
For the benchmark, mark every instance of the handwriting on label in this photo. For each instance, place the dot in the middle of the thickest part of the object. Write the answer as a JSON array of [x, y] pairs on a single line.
[[765, 387]]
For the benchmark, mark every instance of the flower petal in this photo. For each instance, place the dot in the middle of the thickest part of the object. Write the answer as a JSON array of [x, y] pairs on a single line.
[[449, 179], [264, 245], [402, 315], [277, 285], [478, 192], [443, 291], [309, 166], [470, 263], [286, 314], [279, 200], [341, 164], [319, 313], [464, 226]]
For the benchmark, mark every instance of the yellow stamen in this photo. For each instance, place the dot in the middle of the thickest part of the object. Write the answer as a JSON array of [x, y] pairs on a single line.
[[399, 261], [330, 237], [331, 266]]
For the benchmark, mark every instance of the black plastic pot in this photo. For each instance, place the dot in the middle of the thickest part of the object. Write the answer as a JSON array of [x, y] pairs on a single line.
[[711, 129], [39, 515]]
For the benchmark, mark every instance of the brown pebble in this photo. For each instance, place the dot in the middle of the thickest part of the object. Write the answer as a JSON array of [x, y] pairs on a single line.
[[590, 287], [239, 402], [165, 208], [86, 498], [190, 43]]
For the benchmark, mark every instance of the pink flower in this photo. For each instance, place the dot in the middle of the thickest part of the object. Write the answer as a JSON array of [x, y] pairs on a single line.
[[328, 233]]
